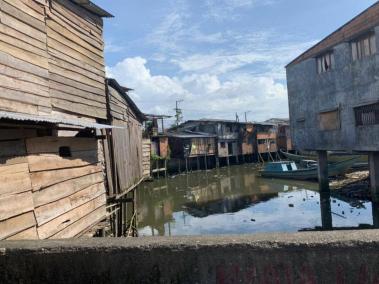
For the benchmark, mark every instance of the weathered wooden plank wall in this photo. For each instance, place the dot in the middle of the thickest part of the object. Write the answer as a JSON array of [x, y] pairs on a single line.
[[51, 56], [24, 85], [126, 142], [44, 195], [76, 62]]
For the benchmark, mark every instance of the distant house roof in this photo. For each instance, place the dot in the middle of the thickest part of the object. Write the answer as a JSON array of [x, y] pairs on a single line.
[[190, 134], [158, 116], [365, 21], [114, 84], [93, 8], [278, 121]]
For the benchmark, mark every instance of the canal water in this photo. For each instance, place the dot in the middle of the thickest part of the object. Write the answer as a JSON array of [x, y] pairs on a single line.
[[236, 200]]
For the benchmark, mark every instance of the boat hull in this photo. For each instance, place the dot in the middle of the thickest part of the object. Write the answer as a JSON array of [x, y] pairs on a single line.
[[311, 173]]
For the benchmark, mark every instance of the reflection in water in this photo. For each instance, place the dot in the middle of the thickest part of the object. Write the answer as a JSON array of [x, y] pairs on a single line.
[[236, 201]]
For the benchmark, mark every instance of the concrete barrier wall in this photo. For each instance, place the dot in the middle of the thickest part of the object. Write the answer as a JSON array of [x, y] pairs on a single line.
[[332, 257]]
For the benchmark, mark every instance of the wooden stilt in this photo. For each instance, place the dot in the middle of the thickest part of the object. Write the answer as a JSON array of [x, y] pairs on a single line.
[[198, 163], [186, 165], [206, 162], [227, 161], [165, 166], [180, 166], [217, 162], [323, 172]]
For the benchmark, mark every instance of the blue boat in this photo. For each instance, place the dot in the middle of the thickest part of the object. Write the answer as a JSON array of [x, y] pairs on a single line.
[[290, 170]]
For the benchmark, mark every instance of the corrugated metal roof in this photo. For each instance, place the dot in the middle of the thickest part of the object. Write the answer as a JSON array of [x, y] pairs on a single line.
[[53, 120], [93, 8], [190, 134]]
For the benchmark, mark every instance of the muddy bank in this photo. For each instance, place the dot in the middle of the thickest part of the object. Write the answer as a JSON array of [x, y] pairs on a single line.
[[354, 185]]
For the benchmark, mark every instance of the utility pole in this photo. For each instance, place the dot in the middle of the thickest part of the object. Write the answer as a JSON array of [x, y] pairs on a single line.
[[178, 112], [246, 112]]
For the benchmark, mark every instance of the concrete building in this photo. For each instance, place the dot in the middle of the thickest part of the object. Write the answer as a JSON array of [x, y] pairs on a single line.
[[333, 93]]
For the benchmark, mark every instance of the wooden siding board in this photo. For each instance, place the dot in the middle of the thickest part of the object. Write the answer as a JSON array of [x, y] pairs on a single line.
[[47, 178], [65, 189], [12, 227], [15, 204], [28, 234], [46, 145], [44, 162], [82, 224], [79, 108], [18, 13], [37, 11], [58, 224], [55, 209]]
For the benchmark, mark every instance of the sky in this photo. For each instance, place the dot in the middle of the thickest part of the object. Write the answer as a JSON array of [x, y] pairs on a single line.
[[220, 57]]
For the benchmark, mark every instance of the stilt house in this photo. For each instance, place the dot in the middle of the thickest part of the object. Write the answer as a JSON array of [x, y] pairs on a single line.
[[124, 156], [52, 101]]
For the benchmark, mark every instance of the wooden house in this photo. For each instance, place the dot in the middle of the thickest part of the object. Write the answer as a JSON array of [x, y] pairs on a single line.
[[284, 140], [227, 132], [188, 144], [248, 139], [124, 156], [266, 138], [52, 99]]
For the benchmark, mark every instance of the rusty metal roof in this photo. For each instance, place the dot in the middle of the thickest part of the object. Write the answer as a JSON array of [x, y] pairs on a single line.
[[93, 8], [4, 115]]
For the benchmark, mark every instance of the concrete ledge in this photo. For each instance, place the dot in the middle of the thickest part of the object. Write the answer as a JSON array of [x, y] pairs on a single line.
[[321, 257]]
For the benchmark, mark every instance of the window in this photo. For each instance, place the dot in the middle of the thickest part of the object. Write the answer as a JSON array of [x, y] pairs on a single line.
[[367, 115], [261, 141], [325, 62], [330, 120], [363, 47], [223, 145], [65, 152]]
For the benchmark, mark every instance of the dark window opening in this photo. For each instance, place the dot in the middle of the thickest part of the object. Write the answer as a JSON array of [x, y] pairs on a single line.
[[223, 145], [325, 62], [367, 115], [230, 148], [65, 152]]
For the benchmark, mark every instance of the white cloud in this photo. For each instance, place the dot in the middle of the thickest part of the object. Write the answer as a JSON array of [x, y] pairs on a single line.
[[221, 10], [204, 95]]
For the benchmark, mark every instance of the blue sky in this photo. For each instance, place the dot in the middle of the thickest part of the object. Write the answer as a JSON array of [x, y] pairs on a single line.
[[219, 56]]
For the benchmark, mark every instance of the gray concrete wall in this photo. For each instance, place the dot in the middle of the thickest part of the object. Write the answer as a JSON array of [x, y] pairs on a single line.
[[349, 84], [332, 257]]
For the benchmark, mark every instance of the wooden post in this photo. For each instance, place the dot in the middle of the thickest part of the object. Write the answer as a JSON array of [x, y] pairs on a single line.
[[323, 176], [237, 159], [326, 211], [157, 168], [206, 162], [165, 165], [375, 214], [180, 166], [227, 161], [374, 175], [198, 163], [217, 162], [135, 213], [186, 165]]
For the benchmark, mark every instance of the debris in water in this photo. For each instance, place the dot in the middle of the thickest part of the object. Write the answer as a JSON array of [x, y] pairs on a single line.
[[253, 220], [291, 205]]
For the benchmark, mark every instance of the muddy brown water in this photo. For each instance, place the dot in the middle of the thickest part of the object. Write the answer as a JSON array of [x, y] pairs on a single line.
[[236, 200]]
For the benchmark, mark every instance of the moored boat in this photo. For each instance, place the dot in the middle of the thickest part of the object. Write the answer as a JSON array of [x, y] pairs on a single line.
[[361, 160], [289, 170]]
